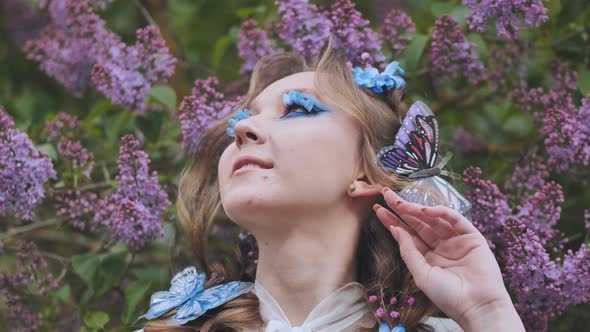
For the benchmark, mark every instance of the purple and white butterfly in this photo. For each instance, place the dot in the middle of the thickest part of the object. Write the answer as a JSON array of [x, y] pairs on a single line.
[[415, 154]]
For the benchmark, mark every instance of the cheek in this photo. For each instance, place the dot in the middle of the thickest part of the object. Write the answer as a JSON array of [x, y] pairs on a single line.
[[224, 166], [322, 153]]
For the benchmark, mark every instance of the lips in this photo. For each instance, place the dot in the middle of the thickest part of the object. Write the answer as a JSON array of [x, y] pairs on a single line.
[[245, 160]]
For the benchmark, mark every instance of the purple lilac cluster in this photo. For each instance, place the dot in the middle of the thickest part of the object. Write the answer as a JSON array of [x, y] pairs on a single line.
[[128, 73], [23, 171], [76, 208], [31, 273], [134, 213], [541, 211], [510, 15], [201, 110], [395, 31], [468, 142], [253, 44], [352, 35], [543, 288], [450, 53], [70, 44], [303, 26], [505, 64], [22, 22], [529, 175], [76, 48], [489, 205], [63, 126], [74, 152], [564, 127], [67, 130]]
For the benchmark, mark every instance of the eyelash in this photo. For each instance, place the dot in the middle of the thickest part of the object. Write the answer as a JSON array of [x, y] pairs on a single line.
[[295, 105]]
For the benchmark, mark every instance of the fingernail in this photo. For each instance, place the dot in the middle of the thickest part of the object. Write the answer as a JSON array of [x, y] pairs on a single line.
[[384, 190], [376, 207]]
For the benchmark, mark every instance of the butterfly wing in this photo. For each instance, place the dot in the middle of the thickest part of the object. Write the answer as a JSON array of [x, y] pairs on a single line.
[[384, 327], [435, 190], [416, 143], [209, 299], [184, 285]]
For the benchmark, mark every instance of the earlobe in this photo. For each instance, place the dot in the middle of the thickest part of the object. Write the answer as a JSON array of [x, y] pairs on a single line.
[[361, 188]]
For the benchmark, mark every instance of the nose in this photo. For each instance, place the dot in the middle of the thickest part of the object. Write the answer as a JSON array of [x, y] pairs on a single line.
[[246, 131]]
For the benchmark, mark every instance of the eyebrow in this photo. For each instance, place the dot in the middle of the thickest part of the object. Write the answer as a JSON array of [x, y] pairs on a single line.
[[254, 104]]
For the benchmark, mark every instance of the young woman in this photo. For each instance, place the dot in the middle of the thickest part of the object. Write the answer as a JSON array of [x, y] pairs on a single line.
[[338, 249]]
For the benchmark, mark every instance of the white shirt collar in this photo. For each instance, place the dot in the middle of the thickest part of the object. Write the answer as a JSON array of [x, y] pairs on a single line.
[[344, 308]]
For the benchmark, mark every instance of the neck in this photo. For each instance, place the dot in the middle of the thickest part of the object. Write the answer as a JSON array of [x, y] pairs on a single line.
[[302, 265]]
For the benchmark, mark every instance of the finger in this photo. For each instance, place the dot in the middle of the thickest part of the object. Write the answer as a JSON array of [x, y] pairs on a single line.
[[458, 222], [414, 260], [390, 219], [426, 233], [442, 228]]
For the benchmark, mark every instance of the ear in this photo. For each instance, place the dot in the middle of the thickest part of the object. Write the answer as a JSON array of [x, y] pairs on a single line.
[[364, 188]]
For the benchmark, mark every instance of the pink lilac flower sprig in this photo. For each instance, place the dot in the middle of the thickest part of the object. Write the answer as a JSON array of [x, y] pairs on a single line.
[[393, 301]]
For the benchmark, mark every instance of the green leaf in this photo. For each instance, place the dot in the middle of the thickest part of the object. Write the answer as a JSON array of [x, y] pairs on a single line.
[[97, 111], [413, 53], [134, 293], [219, 50], [100, 272], [584, 81], [112, 268], [456, 12], [63, 294], [48, 149], [481, 48], [249, 12], [86, 296], [439, 9], [163, 94], [85, 266], [459, 13], [116, 124], [96, 319]]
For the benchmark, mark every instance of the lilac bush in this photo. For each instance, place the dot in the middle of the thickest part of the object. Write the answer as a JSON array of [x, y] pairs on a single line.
[[520, 105]]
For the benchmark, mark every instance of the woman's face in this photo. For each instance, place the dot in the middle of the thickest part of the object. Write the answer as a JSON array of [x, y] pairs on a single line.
[[313, 156]]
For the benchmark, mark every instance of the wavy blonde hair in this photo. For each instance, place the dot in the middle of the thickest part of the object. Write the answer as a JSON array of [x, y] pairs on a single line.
[[380, 269]]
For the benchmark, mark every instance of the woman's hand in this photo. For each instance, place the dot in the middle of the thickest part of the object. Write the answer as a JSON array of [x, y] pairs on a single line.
[[450, 261]]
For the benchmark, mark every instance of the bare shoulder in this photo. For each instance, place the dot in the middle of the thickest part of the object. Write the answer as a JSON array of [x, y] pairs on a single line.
[[443, 324]]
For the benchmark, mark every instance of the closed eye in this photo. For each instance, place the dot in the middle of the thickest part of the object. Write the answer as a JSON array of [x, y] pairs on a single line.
[[296, 108]]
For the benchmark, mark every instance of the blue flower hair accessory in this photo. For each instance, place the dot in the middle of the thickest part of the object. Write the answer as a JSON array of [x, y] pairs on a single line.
[[241, 115], [188, 296], [378, 82]]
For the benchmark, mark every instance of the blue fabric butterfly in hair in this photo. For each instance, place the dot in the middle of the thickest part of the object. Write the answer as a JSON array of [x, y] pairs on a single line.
[[414, 154], [188, 296], [384, 327]]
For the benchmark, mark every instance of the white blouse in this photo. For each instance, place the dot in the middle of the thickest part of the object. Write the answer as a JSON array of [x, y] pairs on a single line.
[[344, 310]]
